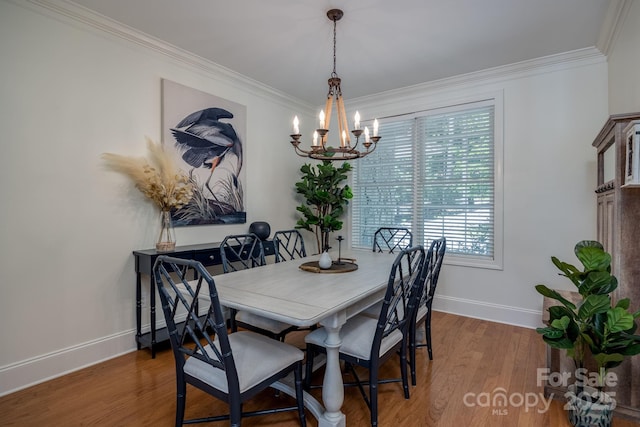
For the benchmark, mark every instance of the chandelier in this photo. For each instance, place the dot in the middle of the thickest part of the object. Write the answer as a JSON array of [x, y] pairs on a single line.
[[344, 151]]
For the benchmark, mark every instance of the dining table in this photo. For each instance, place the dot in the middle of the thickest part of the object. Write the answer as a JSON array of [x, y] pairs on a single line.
[[285, 292]]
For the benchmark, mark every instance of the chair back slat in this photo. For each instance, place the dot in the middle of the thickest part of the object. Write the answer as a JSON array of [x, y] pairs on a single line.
[[193, 314], [432, 266], [404, 290], [390, 239], [289, 245], [241, 252]]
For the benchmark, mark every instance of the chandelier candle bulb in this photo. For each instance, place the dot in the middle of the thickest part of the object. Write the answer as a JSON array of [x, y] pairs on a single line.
[[315, 138], [321, 116], [344, 138], [375, 127], [366, 134], [296, 123], [356, 121]]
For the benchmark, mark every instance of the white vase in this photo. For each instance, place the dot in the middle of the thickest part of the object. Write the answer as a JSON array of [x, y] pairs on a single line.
[[325, 261]]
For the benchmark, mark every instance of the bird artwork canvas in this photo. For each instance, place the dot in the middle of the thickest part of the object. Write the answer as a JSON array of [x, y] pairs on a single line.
[[206, 135]]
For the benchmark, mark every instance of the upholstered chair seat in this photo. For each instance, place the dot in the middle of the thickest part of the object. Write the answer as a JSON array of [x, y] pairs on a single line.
[[256, 357], [357, 337]]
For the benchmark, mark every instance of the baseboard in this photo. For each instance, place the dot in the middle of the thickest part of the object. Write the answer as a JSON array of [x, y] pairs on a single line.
[[39, 369], [46, 367], [516, 316], [27, 373]]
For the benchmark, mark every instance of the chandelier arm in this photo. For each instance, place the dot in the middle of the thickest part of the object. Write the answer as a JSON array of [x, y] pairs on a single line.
[[355, 146], [323, 141], [373, 149], [308, 153], [300, 151]]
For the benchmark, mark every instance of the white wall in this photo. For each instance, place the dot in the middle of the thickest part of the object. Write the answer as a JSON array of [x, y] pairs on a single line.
[[553, 109], [69, 92], [624, 64]]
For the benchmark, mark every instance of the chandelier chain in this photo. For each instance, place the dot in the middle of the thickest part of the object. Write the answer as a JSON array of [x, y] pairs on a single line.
[[334, 74]]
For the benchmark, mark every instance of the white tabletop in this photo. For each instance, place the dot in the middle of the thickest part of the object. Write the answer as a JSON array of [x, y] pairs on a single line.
[[284, 292]]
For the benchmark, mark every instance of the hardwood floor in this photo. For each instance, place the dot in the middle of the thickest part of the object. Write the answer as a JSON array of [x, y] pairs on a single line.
[[472, 360]]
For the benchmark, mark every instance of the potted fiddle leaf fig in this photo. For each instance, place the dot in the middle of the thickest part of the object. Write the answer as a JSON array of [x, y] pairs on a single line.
[[594, 329], [325, 198]]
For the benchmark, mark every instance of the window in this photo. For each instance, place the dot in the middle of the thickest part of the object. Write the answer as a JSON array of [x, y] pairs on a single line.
[[436, 173]]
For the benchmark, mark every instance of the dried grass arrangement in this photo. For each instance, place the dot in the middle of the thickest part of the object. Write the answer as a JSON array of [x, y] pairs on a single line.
[[156, 177]]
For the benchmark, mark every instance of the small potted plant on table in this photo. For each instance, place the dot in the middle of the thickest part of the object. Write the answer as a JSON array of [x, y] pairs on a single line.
[[595, 328]]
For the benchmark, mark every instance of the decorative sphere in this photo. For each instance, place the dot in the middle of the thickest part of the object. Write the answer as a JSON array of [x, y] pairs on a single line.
[[261, 229]]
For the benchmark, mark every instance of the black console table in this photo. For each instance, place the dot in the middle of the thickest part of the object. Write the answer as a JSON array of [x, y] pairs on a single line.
[[207, 253]]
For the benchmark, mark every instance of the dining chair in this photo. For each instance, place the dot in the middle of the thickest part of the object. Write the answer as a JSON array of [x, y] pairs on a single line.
[[390, 239], [233, 367], [289, 245], [369, 342], [241, 252], [431, 272]]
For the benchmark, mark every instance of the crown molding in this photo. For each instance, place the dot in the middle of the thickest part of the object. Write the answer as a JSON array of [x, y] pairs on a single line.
[[618, 9], [561, 61], [612, 25], [79, 14]]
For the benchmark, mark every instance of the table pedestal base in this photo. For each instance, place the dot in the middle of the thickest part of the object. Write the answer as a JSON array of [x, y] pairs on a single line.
[[332, 384]]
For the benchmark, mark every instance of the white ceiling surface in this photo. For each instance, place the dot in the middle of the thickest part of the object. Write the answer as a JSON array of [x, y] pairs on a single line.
[[381, 44]]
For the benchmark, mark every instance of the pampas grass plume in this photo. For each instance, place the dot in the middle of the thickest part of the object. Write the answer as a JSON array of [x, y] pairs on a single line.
[[156, 177]]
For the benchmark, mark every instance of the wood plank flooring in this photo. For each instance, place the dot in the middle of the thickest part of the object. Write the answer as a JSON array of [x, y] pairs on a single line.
[[473, 360]]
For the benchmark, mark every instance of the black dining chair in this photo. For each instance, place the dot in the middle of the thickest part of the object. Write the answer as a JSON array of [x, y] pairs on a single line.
[[431, 273], [390, 239], [231, 367], [241, 252], [289, 245], [369, 342]]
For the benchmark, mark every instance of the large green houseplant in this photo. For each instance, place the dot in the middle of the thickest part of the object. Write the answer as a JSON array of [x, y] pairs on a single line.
[[325, 198], [595, 327]]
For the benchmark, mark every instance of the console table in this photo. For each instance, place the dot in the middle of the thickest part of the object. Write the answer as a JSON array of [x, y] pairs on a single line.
[[207, 253]]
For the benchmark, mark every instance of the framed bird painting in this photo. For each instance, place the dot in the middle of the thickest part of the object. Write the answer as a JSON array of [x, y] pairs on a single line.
[[205, 135]]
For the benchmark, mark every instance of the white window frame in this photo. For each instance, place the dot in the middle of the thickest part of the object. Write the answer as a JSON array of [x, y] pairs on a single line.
[[496, 100]]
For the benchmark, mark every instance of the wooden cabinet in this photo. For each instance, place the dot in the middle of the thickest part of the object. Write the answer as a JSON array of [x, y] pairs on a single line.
[[618, 229], [606, 203]]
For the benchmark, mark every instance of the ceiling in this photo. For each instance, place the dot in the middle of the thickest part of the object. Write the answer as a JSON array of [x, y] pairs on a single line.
[[381, 45]]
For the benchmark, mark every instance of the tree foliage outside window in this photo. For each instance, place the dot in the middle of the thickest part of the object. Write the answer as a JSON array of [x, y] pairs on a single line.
[[433, 172]]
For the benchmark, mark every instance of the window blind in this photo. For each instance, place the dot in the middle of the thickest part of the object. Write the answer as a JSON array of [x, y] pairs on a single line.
[[433, 173]]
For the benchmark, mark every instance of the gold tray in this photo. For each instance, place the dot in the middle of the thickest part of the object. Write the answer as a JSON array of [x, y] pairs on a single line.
[[344, 266]]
